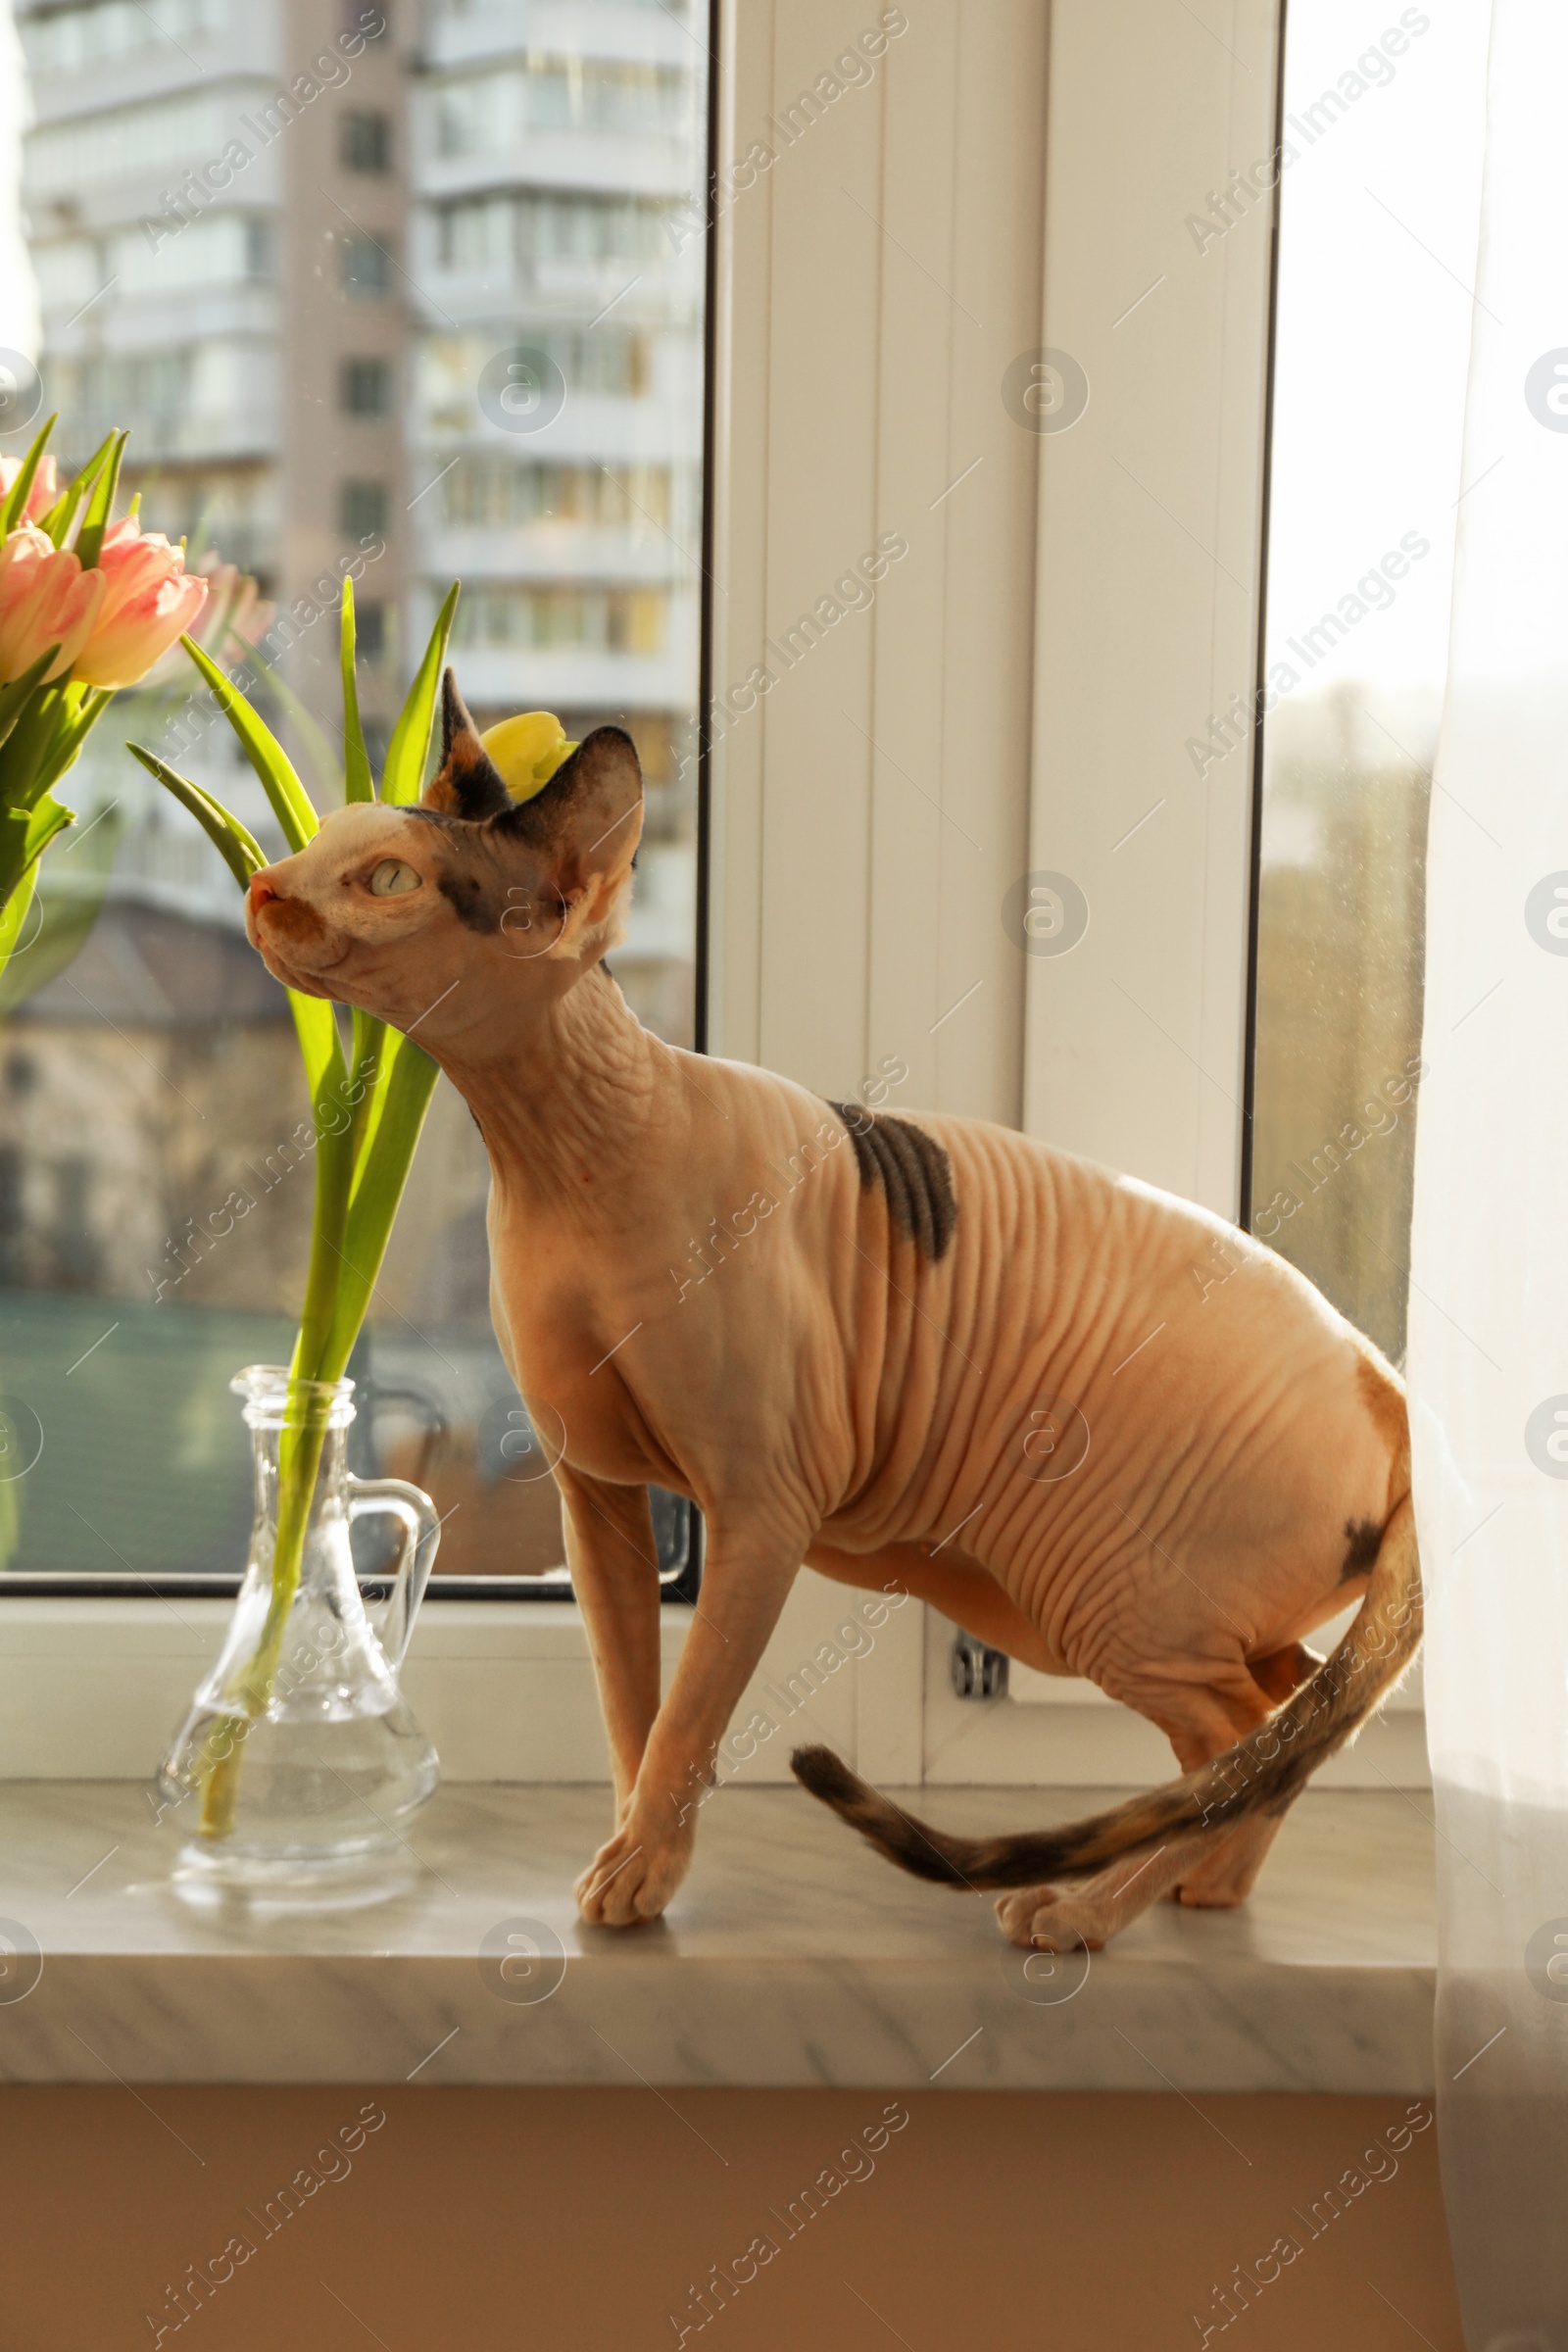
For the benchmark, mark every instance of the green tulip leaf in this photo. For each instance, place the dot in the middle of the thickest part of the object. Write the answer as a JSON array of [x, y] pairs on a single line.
[[234, 843], [403, 778], [291, 803], [357, 782], [15, 508]]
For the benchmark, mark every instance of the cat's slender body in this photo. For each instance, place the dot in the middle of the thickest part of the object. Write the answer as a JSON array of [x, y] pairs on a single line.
[[1097, 1426]]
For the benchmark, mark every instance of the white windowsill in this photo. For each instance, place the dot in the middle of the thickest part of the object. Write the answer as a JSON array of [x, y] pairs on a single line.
[[790, 1957]]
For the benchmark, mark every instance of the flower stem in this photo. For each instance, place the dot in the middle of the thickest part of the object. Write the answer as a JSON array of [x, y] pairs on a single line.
[[306, 1415]]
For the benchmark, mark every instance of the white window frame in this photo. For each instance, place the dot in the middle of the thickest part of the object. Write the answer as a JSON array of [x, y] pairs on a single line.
[[1072, 606]]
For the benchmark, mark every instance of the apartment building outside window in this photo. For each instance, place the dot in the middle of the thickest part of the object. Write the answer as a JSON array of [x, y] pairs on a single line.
[[298, 339]]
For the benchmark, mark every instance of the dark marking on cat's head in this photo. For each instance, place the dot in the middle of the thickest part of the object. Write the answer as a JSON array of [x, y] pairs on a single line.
[[467, 783], [914, 1170], [478, 908], [468, 878], [543, 870], [1363, 1540]]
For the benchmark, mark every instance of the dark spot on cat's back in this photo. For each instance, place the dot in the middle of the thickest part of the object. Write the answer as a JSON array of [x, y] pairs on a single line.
[[1363, 1539], [915, 1172]]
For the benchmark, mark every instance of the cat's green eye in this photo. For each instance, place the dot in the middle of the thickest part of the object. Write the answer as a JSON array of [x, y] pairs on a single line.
[[392, 878]]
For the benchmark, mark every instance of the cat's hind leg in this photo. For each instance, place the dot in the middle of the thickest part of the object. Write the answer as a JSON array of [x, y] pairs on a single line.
[[1227, 1873], [1201, 1721], [1088, 1913]]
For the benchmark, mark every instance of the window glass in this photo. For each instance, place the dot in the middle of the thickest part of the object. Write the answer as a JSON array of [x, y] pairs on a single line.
[[367, 387], [366, 142], [1379, 197], [393, 287]]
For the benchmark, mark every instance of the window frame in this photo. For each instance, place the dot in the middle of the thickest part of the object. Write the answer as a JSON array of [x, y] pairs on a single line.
[[993, 668]]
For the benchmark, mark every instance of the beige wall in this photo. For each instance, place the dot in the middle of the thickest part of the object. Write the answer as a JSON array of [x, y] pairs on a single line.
[[559, 2220]]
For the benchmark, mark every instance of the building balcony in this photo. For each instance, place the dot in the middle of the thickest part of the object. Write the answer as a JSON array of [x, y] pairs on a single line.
[[638, 163], [573, 293], [86, 61], [655, 429], [111, 164], [556, 678], [232, 436], [637, 31], [246, 309], [557, 551]]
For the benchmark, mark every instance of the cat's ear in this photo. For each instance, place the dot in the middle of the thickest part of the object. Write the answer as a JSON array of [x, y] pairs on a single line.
[[467, 783], [583, 827]]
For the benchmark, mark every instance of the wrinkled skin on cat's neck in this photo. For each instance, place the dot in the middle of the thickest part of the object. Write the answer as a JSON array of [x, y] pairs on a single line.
[[1095, 1425]]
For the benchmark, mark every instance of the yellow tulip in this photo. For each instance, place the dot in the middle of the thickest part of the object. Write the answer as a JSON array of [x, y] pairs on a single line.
[[526, 751]]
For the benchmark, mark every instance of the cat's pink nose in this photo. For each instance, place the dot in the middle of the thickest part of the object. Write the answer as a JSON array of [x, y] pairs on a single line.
[[261, 891]]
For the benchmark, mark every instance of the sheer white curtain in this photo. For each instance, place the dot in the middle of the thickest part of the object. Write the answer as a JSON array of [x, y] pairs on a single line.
[[1489, 1313]]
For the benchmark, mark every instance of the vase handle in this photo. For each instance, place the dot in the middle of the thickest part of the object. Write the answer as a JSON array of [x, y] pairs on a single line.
[[421, 1533]]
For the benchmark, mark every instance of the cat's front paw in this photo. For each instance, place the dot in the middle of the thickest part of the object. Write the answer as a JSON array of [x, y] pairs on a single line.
[[632, 1876]]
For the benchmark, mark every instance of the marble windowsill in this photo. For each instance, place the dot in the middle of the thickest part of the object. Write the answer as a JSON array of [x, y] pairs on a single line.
[[792, 1957]]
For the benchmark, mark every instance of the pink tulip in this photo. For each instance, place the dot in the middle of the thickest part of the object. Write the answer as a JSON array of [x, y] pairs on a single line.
[[236, 616], [45, 598], [233, 618], [149, 600], [45, 489]]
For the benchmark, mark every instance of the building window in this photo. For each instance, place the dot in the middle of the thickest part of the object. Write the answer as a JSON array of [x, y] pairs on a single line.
[[609, 360], [488, 114], [366, 387], [365, 142], [496, 491], [367, 269], [545, 226], [151, 391], [259, 246], [370, 625], [361, 509], [76, 38], [565, 616]]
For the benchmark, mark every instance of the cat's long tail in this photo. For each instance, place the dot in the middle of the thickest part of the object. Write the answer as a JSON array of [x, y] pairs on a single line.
[[1262, 1774]]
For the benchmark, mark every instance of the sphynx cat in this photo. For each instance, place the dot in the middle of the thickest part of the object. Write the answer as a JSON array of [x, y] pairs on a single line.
[[1100, 1428]]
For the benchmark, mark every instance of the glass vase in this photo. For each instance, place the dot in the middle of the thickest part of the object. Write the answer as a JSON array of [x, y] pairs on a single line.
[[299, 1761]]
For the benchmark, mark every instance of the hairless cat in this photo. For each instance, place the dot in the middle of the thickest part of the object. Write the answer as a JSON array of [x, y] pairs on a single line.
[[1097, 1426]]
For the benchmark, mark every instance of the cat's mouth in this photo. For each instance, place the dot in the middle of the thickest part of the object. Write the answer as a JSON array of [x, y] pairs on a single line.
[[280, 929]]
